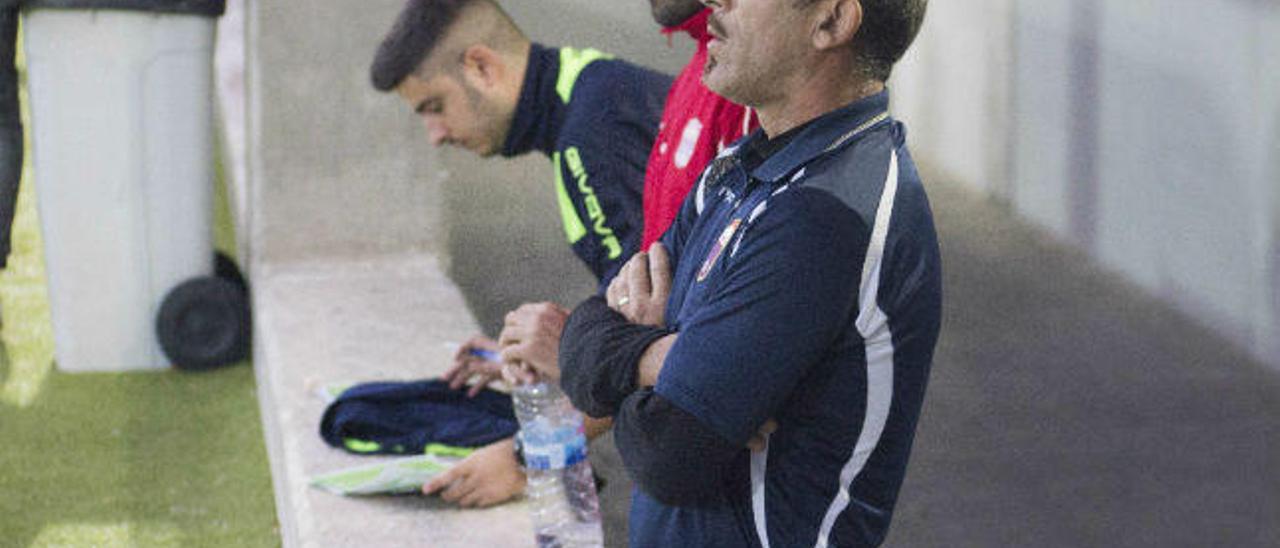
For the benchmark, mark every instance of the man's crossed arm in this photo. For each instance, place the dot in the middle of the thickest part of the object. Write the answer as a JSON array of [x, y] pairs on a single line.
[[612, 353]]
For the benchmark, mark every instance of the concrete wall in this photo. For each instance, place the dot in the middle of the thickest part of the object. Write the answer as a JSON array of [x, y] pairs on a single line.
[[331, 164], [1144, 132]]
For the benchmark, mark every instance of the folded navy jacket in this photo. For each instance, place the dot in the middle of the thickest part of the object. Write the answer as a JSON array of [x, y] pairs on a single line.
[[403, 417]]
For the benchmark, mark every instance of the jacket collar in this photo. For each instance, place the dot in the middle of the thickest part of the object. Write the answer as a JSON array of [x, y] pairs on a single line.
[[536, 121], [821, 135]]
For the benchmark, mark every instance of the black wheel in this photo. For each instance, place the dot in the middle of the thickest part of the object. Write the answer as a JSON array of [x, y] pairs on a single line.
[[205, 323], [225, 267]]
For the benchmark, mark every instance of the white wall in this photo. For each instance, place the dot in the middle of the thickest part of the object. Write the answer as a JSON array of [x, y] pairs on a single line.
[[931, 81], [1145, 132]]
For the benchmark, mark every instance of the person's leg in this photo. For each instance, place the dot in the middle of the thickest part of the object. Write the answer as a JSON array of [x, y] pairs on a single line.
[[10, 128]]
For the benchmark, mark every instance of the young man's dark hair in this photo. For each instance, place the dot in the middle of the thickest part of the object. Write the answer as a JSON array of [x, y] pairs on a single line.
[[414, 36]]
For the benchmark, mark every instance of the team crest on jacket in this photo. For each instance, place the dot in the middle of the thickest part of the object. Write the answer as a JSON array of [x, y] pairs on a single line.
[[718, 248]]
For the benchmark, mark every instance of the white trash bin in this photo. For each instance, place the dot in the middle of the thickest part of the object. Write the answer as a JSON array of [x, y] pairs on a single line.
[[122, 110]]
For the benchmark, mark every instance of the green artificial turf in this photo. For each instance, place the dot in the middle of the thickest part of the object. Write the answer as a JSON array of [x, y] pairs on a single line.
[[121, 459], [137, 459]]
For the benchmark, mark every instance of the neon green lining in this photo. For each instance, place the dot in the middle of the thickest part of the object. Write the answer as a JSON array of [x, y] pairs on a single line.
[[594, 211], [572, 61], [361, 446], [442, 450], [574, 230]]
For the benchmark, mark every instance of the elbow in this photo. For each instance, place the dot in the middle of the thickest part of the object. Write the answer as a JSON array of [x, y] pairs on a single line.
[[599, 350], [669, 454], [677, 482], [580, 353], [585, 395], [588, 385]]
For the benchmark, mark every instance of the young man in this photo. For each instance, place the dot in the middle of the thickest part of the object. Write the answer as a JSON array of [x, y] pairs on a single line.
[[479, 83], [797, 310]]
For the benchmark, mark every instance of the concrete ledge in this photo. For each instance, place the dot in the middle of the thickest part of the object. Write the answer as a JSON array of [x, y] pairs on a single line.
[[383, 318]]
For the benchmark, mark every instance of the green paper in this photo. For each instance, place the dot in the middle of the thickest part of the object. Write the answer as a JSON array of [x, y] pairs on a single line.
[[386, 477]]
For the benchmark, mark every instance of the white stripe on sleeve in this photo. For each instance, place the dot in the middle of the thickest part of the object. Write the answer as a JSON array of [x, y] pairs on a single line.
[[873, 325], [759, 463]]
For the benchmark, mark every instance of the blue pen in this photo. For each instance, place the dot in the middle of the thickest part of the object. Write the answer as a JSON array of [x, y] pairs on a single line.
[[483, 354]]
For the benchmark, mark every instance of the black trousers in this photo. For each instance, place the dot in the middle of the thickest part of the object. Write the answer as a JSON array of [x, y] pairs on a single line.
[[10, 128]]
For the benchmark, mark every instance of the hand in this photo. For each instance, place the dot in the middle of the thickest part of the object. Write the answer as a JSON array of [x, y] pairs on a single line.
[[531, 336], [594, 427], [641, 288], [467, 366], [516, 374], [760, 440], [489, 476]]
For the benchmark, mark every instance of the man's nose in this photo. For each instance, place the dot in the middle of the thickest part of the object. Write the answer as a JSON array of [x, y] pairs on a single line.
[[436, 132]]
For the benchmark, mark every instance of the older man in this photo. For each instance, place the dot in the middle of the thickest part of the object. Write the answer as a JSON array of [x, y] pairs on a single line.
[[797, 309]]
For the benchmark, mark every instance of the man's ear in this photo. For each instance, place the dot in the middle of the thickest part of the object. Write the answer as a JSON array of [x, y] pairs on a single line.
[[838, 22], [482, 67]]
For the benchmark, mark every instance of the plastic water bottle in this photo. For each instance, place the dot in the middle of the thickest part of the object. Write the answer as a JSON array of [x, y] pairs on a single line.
[[561, 489]]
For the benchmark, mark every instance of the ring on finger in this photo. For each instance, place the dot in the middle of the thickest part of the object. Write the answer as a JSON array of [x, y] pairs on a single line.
[[624, 300]]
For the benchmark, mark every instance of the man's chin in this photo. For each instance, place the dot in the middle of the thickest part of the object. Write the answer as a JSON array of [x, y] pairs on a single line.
[[480, 150], [711, 78]]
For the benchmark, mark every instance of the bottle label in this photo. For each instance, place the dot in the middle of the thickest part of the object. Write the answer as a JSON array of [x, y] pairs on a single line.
[[557, 454]]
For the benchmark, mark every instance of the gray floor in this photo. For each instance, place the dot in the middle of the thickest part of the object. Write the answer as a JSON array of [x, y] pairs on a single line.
[[1065, 408]]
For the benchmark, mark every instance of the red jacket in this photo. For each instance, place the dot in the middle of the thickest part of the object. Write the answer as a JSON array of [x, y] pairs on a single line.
[[696, 124]]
